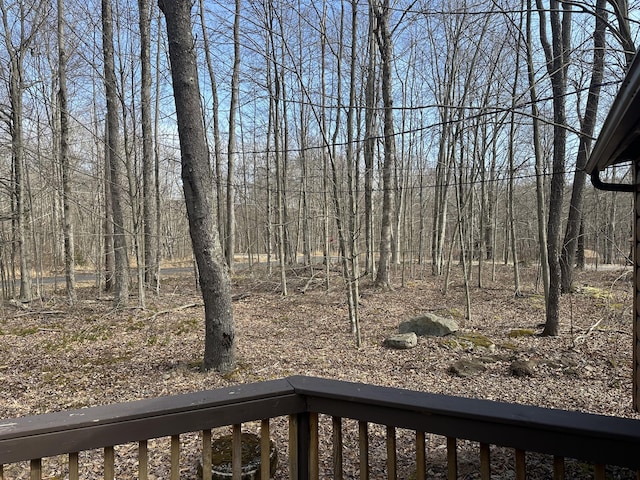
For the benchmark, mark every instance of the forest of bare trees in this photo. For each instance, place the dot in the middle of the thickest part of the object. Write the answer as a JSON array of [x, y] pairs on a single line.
[[372, 135]]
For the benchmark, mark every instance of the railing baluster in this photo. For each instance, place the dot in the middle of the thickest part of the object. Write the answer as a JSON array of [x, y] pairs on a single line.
[[265, 450], [485, 461], [391, 453], [314, 462], [236, 452], [74, 470], [109, 463], [421, 458], [337, 447], [175, 457], [143, 460], [299, 446], [206, 454], [521, 464], [36, 469], [599, 471], [363, 435], [293, 447], [452, 458], [558, 468]]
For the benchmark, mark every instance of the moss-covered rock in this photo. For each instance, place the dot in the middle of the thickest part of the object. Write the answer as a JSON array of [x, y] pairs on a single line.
[[475, 341], [521, 332]]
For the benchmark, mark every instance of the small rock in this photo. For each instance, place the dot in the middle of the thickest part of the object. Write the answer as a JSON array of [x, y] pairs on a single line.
[[402, 341], [466, 368], [522, 368]]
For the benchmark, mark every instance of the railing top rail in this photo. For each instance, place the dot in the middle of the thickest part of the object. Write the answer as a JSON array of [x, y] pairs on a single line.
[[588, 437], [95, 427]]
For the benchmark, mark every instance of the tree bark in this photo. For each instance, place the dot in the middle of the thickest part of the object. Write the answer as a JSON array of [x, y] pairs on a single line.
[[197, 182]]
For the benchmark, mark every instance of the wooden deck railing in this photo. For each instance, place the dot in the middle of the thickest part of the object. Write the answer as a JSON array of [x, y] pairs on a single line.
[[594, 439]]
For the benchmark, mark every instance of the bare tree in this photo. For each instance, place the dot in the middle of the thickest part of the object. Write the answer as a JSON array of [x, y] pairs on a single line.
[[217, 142], [231, 154], [382, 12], [587, 124], [113, 160], [69, 250], [539, 167], [18, 39], [219, 353], [151, 274], [557, 57]]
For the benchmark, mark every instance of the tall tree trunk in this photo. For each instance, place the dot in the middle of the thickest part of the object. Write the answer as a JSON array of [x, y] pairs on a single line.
[[568, 256], [231, 154], [20, 219], [121, 292], [512, 172], [156, 165], [539, 167], [107, 227], [276, 96], [197, 183], [151, 274], [69, 250], [217, 142], [352, 166], [383, 36], [557, 57], [370, 141]]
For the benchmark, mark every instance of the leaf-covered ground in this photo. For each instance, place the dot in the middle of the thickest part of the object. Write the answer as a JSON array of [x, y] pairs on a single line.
[[54, 357]]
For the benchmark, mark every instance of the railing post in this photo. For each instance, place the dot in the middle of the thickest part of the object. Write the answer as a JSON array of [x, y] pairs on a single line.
[[636, 292], [299, 446]]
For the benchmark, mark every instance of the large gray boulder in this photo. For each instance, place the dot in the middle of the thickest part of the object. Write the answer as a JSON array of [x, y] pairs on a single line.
[[429, 325]]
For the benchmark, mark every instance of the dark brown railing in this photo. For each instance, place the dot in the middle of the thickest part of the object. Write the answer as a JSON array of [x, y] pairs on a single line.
[[594, 439]]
